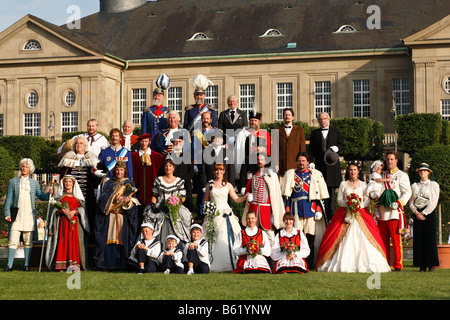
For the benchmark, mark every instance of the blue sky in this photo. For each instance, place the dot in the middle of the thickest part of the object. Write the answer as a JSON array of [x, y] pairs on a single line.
[[54, 11]]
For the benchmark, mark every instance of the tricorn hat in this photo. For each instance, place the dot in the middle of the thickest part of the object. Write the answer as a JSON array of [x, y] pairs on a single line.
[[255, 115], [330, 157]]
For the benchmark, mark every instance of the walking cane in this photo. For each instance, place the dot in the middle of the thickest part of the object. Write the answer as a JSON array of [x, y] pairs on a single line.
[[45, 227]]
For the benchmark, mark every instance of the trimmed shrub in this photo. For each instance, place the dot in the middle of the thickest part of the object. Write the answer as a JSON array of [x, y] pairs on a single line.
[[6, 170]]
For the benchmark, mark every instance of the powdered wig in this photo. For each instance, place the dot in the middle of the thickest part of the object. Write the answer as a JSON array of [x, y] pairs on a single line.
[[30, 164]]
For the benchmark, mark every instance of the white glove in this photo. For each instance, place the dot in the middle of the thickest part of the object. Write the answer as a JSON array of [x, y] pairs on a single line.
[[243, 191], [394, 205], [250, 197], [318, 215], [203, 190], [334, 148], [195, 169], [231, 140], [99, 173]]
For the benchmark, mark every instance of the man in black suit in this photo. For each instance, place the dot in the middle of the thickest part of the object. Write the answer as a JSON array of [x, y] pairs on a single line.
[[233, 118], [323, 139]]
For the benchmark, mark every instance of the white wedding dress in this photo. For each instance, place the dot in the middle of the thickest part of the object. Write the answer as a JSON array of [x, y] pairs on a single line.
[[226, 229]]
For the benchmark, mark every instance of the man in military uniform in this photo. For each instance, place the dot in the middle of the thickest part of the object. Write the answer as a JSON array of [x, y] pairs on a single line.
[[154, 118], [193, 112], [116, 152]]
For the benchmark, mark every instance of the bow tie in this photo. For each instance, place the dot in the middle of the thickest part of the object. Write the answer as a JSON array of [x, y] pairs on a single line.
[[288, 127], [324, 129]]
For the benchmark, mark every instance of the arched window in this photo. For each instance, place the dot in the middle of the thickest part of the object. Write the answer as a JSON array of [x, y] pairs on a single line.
[[69, 98], [32, 45], [346, 28], [199, 36], [32, 99], [272, 33]]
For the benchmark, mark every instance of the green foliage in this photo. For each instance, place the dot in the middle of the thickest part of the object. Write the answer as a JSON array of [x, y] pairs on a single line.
[[6, 170], [69, 135], [418, 130], [438, 158], [363, 138], [43, 152], [275, 125]]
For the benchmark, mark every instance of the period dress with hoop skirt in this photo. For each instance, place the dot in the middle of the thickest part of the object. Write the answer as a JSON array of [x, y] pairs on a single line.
[[226, 229], [352, 244]]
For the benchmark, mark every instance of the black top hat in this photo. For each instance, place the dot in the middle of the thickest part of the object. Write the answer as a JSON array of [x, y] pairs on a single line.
[[254, 115], [330, 157]]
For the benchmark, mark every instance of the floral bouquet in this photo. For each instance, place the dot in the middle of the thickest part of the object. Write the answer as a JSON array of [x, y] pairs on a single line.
[[289, 248], [210, 212], [254, 248], [61, 206], [353, 204], [174, 204]]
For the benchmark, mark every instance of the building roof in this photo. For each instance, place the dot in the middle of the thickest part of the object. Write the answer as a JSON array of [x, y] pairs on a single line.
[[161, 29]]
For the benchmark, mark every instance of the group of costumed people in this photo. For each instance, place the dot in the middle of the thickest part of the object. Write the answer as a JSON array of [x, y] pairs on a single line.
[[131, 200]]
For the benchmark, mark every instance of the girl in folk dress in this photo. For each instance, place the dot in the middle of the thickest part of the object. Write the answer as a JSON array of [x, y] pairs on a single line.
[[290, 248]]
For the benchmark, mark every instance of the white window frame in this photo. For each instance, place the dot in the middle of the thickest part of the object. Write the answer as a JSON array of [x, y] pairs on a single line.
[[32, 124], [32, 99], [445, 109], [138, 104], [69, 121], [32, 45], [247, 96], [361, 98], [69, 98], [400, 88], [175, 100], [285, 98], [212, 95], [446, 84], [322, 98]]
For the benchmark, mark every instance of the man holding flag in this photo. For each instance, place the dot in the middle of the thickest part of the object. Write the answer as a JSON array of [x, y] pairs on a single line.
[[392, 222]]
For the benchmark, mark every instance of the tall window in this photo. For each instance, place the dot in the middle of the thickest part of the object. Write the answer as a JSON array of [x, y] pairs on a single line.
[[1, 125], [246, 97], [322, 98], [32, 124], [361, 98], [284, 98], [138, 103], [212, 96], [175, 100], [445, 109], [69, 121], [400, 88]]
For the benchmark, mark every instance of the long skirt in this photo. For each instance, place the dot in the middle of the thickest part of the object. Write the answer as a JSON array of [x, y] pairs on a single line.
[[424, 242]]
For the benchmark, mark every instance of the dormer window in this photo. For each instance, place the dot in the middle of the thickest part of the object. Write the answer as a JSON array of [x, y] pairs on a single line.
[[199, 36], [32, 45], [272, 33], [346, 28]]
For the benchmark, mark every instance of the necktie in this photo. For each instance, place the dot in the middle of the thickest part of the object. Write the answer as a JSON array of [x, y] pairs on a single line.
[[232, 115]]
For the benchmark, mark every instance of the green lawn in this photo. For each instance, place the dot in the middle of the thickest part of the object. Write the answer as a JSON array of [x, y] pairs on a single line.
[[95, 285]]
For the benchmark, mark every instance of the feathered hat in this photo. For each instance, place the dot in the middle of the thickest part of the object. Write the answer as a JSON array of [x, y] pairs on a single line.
[[200, 83], [162, 83]]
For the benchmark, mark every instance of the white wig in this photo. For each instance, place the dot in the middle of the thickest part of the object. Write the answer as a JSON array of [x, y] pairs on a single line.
[[30, 164]]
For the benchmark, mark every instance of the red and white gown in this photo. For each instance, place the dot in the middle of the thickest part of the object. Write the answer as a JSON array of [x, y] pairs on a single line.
[[246, 263], [354, 246], [296, 264]]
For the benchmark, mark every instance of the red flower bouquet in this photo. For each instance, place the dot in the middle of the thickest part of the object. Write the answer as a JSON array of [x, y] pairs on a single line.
[[289, 248], [353, 204], [254, 248]]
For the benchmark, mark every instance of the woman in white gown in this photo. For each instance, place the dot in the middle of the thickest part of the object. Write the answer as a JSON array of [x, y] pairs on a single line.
[[226, 225], [352, 241]]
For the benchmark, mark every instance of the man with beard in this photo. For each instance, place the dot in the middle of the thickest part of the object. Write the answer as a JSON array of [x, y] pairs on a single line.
[[193, 113], [115, 152], [154, 118], [96, 141], [163, 144], [304, 188], [265, 198]]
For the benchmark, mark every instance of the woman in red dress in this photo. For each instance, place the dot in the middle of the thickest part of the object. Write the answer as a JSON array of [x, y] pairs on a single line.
[[67, 228]]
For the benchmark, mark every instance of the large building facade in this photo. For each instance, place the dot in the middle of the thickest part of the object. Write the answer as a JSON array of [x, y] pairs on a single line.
[[348, 58]]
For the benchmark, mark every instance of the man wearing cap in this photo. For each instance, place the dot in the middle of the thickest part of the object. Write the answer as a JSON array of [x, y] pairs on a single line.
[[396, 193], [116, 152], [197, 251], [325, 144], [129, 140], [304, 188], [147, 250], [193, 112], [257, 140], [154, 118], [146, 166]]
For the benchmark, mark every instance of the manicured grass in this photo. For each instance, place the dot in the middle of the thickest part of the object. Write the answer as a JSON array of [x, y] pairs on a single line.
[[96, 285]]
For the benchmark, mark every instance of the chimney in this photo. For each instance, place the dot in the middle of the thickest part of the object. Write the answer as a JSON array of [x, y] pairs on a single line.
[[115, 6]]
